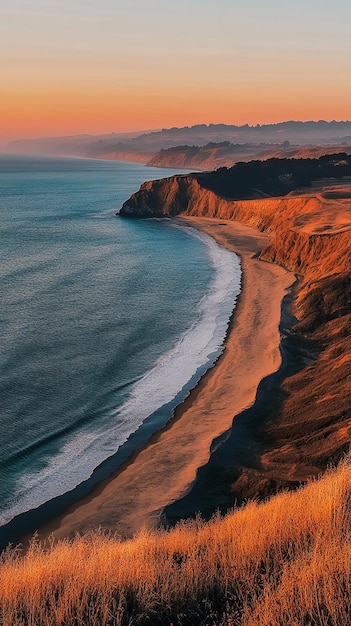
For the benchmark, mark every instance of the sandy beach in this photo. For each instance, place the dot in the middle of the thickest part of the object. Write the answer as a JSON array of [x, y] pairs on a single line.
[[164, 469]]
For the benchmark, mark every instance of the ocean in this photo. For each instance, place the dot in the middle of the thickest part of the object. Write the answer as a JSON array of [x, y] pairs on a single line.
[[106, 323]]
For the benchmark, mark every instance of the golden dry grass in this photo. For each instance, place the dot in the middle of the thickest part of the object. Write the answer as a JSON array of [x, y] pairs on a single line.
[[283, 562]]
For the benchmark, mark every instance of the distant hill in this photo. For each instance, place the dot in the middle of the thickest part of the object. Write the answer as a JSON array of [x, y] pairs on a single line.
[[254, 141], [300, 133], [72, 145], [226, 154]]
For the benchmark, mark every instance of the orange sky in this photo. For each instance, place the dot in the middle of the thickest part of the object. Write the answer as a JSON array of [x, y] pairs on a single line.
[[95, 67]]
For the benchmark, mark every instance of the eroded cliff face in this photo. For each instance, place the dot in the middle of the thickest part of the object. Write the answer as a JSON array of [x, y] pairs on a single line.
[[310, 233], [307, 423], [161, 198]]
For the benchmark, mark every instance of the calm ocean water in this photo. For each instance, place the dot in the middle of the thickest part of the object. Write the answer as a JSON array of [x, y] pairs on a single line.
[[103, 320]]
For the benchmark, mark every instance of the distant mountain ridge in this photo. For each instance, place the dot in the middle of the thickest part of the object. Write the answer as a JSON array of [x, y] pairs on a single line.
[[144, 146], [67, 145], [295, 131], [226, 154]]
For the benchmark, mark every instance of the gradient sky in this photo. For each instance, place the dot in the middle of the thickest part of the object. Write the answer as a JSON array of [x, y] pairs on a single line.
[[72, 66]]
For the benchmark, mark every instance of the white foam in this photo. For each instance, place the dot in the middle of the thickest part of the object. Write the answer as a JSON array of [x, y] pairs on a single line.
[[199, 344]]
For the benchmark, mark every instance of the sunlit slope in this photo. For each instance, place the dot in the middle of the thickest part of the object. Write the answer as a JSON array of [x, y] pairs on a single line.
[[286, 561]]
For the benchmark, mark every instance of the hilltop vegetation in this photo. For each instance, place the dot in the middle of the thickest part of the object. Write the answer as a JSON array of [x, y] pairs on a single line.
[[274, 177]]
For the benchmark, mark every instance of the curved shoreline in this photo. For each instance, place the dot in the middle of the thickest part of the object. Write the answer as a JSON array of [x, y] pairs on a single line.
[[165, 468], [221, 297]]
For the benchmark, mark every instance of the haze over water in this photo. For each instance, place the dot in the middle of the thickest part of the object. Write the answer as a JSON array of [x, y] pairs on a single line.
[[103, 321]]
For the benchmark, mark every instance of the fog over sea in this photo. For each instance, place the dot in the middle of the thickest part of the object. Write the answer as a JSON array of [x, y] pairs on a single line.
[[105, 322]]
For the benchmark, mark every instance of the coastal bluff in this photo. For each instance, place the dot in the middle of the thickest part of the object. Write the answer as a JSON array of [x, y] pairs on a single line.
[[304, 422]]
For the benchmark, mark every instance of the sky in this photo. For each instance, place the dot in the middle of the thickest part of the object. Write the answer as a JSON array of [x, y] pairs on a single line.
[[100, 66]]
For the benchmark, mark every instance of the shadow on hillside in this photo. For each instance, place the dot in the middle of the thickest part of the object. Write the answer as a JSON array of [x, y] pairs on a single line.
[[240, 448]]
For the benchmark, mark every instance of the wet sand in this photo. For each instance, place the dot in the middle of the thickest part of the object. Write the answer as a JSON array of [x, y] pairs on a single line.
[[164, 469]]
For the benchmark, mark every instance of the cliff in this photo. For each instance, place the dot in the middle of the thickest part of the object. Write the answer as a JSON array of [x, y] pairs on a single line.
[[244, 181], [306, 424], [226, 154], [214, 155]]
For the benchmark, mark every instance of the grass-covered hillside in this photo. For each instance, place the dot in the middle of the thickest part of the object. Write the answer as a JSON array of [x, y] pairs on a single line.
[[286, 562]]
